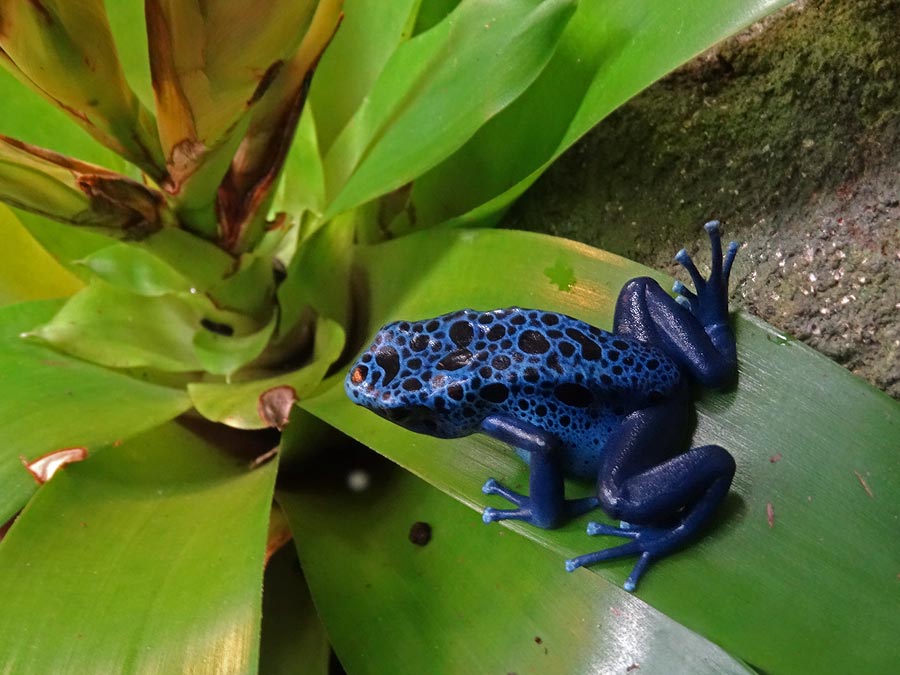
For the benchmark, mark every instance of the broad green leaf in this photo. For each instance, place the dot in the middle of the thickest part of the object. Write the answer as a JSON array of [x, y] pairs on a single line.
[[78, 70], [147, 558], [237, 404], [489, 602], [302, 183], [293, 637], [27, 271], [437, 90], [137, 270], [204, 263], [65, 243], [368, 36], [50, 401], [318, 277], [810, 440], [610, 50], [31, 118], [110, 326]]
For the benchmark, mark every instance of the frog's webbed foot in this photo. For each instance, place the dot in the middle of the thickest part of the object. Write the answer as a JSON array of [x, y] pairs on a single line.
[[650, 543], [709, 300], [531, 511]]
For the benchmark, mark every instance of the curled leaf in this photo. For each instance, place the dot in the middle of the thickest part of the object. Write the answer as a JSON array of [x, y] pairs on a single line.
[[275, 405], [71, 191], [43, 468]]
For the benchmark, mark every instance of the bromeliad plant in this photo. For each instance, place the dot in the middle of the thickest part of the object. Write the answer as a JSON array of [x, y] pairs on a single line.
[[306, 174]]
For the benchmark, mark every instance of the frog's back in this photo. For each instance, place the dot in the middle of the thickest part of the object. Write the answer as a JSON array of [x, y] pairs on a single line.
[[536, 352]]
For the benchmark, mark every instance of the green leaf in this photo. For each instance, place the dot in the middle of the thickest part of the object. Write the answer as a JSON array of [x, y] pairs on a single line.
[[830, 549], [293, 637], [368, 36], [121, 563], [610, 50], [112, 327], [225, 354], [129, 30], [136, 270], [50, 401], [65, 243], [302, 183], [318, 277], [488, 602], [437, 90], [237, 404], [27, 271], [31, 118], [77, 68]]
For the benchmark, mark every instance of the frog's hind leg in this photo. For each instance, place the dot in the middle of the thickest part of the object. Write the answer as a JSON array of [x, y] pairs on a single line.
[[667, 499], [693, 328], [545, 506]]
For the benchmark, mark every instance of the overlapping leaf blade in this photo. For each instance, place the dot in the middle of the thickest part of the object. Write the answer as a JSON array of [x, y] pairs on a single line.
[[50, 401], [75, 192], [118, 565], [832, 431], [427, 101], [248, 188], [20, 257], [77, 68]]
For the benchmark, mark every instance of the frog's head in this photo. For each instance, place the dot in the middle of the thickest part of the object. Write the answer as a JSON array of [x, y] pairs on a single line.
[[404, 377]]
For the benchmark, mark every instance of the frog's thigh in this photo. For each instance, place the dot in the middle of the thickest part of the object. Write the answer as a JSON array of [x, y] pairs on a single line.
[[643, 480]]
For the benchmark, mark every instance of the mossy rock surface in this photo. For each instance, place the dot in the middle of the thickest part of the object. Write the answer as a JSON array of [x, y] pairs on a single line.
[[789, 134]]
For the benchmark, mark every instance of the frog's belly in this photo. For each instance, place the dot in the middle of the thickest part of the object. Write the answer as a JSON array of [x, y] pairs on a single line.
[[581, 448]]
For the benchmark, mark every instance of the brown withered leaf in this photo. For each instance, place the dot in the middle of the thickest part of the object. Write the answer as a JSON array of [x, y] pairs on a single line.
[[274, 405], [246, 191], [43, 468], [210, 62]]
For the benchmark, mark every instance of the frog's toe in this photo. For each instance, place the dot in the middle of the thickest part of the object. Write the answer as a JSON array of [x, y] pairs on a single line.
[[594, 528], [491, 515], [712, 227], [492, 487]]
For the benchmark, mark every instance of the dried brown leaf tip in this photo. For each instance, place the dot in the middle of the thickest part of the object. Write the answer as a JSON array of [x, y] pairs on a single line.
[[275, 405], [43, 468]]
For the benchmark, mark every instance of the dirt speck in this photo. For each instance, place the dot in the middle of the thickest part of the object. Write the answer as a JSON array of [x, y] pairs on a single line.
[[865, 485], [420, 533], [770, 514]]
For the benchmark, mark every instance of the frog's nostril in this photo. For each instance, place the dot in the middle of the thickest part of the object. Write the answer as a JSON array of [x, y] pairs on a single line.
[[359, 374]]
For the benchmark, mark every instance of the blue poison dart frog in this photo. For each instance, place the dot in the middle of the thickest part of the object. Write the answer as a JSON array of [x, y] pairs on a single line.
[[574, 400]]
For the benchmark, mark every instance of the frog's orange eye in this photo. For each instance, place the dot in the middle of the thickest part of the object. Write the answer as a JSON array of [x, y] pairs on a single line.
[[359, 374]]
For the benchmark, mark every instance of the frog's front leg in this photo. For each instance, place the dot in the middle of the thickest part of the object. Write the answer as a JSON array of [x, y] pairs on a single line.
[[545, 506], [665, 497]]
